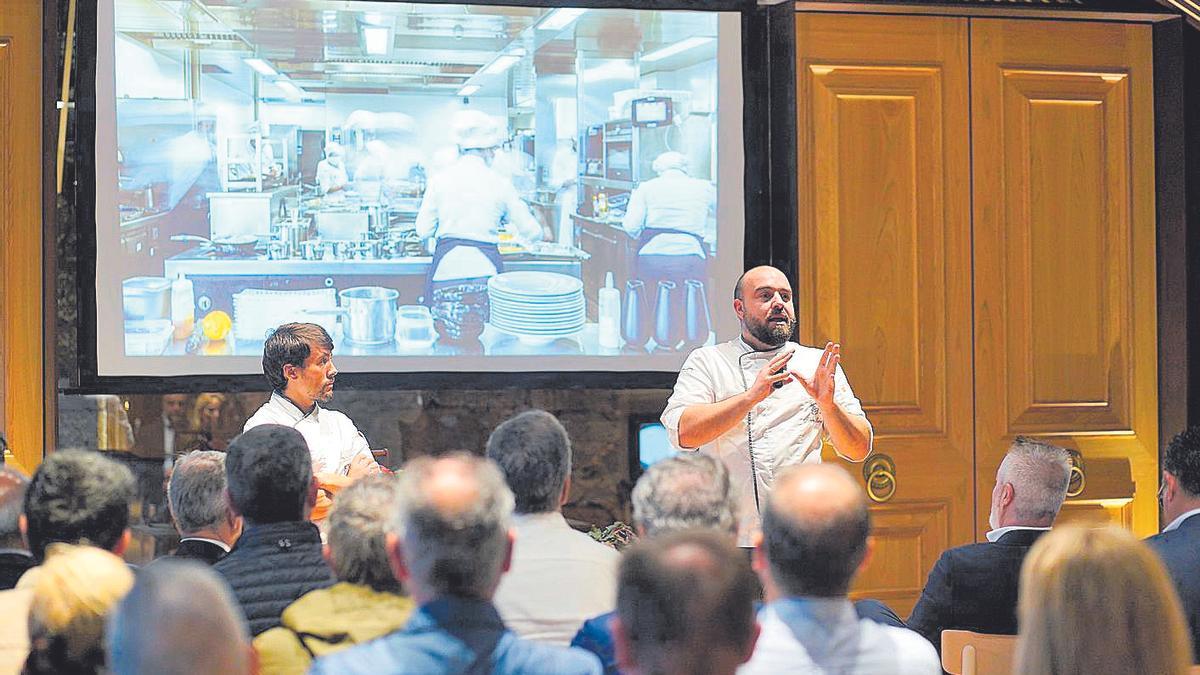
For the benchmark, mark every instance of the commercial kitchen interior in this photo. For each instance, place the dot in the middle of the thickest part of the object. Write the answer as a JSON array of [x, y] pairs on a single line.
[[224, 110]]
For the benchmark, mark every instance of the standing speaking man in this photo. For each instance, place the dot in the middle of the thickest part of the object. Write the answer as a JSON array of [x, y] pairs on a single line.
[[761, 402], [298, 362]]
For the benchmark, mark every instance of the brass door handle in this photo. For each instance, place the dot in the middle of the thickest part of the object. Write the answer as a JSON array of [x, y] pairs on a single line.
[[879, 471], [1078, 479]]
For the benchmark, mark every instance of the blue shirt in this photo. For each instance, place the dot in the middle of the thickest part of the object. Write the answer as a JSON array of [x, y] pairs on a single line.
[[456, 635]]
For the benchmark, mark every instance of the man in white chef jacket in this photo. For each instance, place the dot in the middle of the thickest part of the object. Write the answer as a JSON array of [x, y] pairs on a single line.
[[760, 402], [332, 178], [298, 362], [465, 205]]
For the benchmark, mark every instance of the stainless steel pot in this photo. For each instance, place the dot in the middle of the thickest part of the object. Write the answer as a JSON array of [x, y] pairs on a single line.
[[368, 314], [146, 298]]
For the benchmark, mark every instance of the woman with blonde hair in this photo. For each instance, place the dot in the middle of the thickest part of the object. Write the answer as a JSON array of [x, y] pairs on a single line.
[[73, 592], [205, 421], [1097, 600]]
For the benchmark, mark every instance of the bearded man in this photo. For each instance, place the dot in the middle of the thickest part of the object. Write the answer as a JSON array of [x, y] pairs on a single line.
[[761, 402]]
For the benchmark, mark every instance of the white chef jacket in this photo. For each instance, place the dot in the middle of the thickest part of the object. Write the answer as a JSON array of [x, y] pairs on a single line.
[[786, 427], [468, 201], [673, 200], [330, 176], [332, 438]]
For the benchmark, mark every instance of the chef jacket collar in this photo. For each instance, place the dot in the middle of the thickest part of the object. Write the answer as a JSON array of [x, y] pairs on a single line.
[[286, 405]]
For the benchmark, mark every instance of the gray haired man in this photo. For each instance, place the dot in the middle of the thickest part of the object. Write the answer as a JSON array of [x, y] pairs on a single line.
[[179, 619], [449, 543], [559, 577], [207, 526], [682, 493], [974, 587]]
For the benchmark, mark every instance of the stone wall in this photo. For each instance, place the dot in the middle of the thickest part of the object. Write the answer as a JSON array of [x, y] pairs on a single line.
[[430, 422]]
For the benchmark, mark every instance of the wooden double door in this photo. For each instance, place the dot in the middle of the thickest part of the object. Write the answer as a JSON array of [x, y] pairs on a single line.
[[976, 228]]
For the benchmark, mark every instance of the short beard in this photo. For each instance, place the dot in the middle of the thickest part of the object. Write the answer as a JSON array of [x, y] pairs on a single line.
[[324, 398], [771, 334]]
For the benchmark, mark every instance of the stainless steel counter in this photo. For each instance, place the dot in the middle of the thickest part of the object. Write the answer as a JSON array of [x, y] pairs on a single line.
[[193, 263]]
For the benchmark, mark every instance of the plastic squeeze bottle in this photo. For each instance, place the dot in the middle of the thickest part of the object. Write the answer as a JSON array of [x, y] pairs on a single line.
[[610, 314]]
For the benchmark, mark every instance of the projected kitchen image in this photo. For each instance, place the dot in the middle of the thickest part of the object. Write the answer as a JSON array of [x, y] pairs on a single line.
[[421, 180]]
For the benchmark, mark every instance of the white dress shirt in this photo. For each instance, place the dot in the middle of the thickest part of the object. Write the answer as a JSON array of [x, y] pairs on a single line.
[[994, 535], [332, 438], [559, 578], [1179, 521], [168, 437], [786, 427], [824, 636], [673, 200], [468, 201]]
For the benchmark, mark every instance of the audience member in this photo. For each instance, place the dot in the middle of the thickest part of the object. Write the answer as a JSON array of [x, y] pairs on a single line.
[[1096, 600], [205, 426], [974, 587], [1179, 543], [815, 538], [207, 525], [559, 577], [684, 492], [15, 558], [78, 497], [449, 543], [73, 593], [367, 601], [278, 558], [179, 619], [685, 606]]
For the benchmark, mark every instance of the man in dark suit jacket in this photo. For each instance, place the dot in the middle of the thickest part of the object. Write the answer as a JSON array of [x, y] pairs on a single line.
[[207, 526], [974, 587], [15, 559], [1179, 543]]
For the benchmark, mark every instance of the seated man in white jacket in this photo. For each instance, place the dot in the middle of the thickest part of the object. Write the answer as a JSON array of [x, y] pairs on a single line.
[[298, 362]]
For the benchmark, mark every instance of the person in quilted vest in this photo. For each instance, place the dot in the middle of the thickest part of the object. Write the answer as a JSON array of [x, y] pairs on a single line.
[[268, 471]]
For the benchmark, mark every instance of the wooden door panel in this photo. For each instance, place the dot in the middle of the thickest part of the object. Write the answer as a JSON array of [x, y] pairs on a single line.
[[885, 263], [1065, 345]]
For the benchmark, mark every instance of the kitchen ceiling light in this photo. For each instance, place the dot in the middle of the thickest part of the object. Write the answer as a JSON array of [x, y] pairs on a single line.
[[293, 92], [262, 67], [468, 90], [500, 64], [560, 18], [677, 48], [376, 39]]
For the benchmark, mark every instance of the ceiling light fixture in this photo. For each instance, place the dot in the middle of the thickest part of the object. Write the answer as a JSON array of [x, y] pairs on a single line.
[[500, 64], [376, 39], [677, 48], [262, 67], [560, 18], [293, 92]]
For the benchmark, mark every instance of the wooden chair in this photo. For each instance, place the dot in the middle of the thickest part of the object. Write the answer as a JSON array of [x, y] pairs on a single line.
[[967, 653]]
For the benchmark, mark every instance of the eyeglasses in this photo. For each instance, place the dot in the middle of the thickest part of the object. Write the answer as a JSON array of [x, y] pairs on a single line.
[[1162, 491]]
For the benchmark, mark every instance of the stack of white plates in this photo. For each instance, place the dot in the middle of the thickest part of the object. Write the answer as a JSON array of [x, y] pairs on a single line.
[[537, 306]]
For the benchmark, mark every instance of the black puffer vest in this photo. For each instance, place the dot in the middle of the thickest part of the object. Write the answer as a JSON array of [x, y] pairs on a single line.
[[272, 565]]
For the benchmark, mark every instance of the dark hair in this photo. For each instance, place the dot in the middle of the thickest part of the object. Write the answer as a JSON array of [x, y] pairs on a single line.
[[816, 557], [357, 532], [534, 453], [675, 606], [737, 286], [1182, 459], [290, 345], [268, 471], [77, 497]]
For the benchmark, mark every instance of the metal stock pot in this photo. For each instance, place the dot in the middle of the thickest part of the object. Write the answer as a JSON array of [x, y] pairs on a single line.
[[368, 314]]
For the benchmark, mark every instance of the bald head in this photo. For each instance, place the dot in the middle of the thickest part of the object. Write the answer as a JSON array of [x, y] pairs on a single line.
[[452, 525], [161, 628], [815, 530], [756, 276]]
